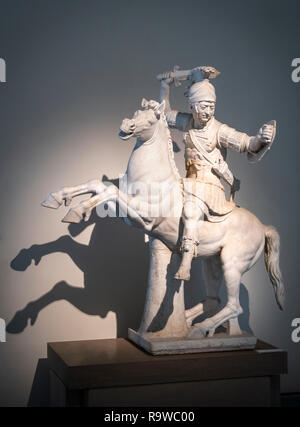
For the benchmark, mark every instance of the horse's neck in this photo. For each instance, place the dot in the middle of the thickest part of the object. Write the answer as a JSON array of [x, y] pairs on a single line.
[[153, 161]]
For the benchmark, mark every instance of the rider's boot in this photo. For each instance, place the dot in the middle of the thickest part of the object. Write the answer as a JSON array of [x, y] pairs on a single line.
[[187, 250]]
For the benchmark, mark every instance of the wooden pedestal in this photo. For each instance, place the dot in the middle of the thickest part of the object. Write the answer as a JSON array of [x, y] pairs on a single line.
[[116, 373]]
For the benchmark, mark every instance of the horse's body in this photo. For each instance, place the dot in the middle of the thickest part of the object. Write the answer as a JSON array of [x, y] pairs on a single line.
[[228, 248]]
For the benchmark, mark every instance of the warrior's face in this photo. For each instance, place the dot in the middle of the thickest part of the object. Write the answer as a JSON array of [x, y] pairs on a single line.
[[203, 111]]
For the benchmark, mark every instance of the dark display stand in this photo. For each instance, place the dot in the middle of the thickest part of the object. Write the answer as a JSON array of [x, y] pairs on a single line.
[[115, 372]]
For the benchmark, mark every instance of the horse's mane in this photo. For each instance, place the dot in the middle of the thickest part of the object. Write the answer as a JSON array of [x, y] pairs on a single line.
[[170, 147], [153, 105]]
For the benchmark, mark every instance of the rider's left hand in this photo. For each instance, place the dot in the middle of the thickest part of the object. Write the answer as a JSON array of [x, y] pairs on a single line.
[[263, 137], [266, 133]]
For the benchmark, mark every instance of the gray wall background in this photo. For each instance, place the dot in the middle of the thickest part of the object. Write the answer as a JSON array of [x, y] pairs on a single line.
[[75, 69]]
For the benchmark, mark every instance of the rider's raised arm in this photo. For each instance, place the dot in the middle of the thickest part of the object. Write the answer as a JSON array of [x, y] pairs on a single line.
[[164, 94], [175, 119]]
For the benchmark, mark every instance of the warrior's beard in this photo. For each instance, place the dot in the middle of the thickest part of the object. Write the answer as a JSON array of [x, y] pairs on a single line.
[[201, 119]]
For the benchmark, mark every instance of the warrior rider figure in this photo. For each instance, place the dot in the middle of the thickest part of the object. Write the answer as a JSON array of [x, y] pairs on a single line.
[[206, 142]]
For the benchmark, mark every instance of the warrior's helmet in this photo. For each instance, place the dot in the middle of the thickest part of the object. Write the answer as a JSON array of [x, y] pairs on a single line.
[[201, 88], [201, 91]]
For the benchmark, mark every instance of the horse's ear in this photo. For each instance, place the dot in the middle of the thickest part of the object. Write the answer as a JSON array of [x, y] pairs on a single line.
[[160, 108], [144, 103]]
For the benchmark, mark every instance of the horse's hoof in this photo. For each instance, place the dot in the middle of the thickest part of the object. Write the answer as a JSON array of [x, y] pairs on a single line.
[[189, 322], [182, 275], [52, 202], [203, 329], [72, 217], [211, 333], [196, 333]]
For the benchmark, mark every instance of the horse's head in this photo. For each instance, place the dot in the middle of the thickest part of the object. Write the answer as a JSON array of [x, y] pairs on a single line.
[[143, 123]]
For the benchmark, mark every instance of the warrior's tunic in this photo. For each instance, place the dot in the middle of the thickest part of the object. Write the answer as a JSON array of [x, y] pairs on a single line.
[[205, 154]]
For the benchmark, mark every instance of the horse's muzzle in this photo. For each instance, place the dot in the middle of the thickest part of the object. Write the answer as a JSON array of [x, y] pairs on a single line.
[[127, 129]]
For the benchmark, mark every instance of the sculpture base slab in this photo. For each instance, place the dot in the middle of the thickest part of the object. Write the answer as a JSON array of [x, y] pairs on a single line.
[[181, 345]]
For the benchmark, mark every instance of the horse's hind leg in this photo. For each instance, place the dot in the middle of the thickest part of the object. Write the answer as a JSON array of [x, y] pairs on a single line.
[[64, 195], [212, 277], [231, 311]]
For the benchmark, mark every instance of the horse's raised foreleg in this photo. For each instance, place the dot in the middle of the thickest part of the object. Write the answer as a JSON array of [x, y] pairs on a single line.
[[111, 195], [64, 195], [83, 210], [212, 277]]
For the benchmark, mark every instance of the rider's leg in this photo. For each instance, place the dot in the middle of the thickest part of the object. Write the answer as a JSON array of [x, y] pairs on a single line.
[[191, 217]]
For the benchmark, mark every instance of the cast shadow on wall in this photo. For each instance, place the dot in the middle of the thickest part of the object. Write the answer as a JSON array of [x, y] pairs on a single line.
[[114, 264]]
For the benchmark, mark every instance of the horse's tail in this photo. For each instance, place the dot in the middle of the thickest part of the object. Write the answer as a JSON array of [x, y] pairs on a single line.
[[272, 245]]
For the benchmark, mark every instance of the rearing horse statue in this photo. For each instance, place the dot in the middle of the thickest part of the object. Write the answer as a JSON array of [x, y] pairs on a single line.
[[152, 200]]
